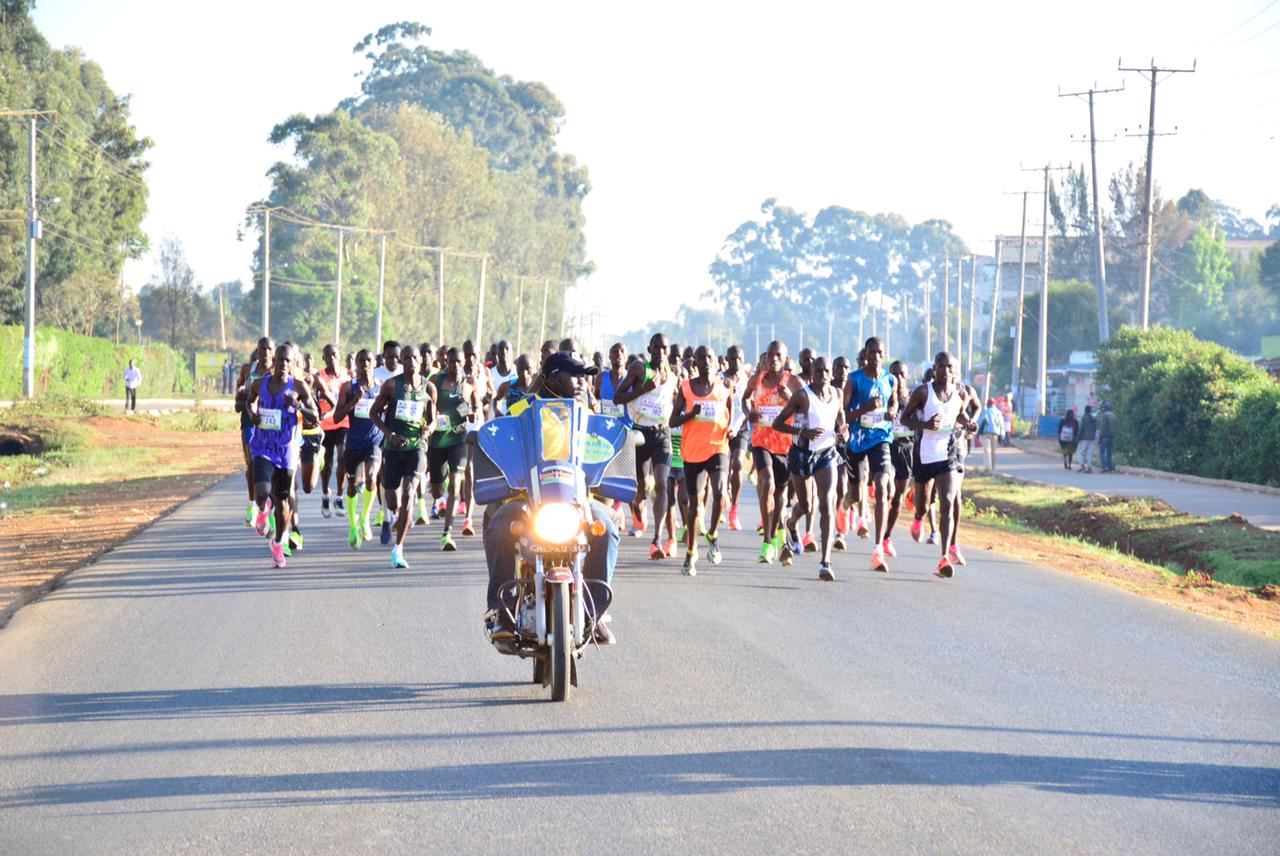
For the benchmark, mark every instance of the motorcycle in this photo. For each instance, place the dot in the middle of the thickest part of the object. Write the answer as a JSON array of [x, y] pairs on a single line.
[[553, 456]]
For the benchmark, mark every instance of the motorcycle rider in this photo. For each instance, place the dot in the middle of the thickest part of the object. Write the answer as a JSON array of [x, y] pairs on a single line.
[[564, 375]]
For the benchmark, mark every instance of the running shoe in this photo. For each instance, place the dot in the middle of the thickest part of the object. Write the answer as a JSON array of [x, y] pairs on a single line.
[[842, 521], [277, 555], [366, 531], [878, 562], [340, 504], [671, 547], [808, 543], [447, 544], [680, 533], [468, 528], [767, 553], [917, 529], [353, 535], [944, 569], [957, 558], [462, 508], [825, 574], [435, 511], [386, 532], [790, 549], [735, 523], [933, 537], [382, 516], [248, 513], [863, 532], [295, 540], [397, 558], [889, 550], [264, 520], [760, 529], [713, 550], [325, 511], [637, 524], [655, 552], [838, 543], [690, 566], [421, 518]]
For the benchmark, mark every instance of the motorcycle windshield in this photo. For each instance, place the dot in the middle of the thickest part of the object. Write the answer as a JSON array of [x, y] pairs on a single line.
[[556, 429]]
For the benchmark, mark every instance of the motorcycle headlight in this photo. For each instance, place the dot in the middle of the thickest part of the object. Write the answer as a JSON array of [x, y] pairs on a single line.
[[557, 523]]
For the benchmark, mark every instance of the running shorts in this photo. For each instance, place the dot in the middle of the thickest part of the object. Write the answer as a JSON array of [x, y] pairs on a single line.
[[928, 472], [310, 446], [902, 453], [656, 448], [445, 460], [334, 438], [739, 443], [715, 467], [399, 464], [265, 471], [246, 435], [352, 458], [766, 461], [878, 458], [804, 463]]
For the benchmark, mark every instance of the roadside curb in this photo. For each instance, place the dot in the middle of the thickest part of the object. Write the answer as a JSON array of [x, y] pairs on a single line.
[[1245, 487]]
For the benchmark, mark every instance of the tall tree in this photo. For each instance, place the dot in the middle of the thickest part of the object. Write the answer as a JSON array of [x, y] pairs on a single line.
[[170, 303]]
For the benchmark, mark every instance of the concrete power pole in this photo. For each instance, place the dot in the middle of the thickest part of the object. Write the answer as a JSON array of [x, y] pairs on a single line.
[[1022, 288], [439, 294], [382, 284], [1099, 250], [337, 297], [946, 300], [973, 309], [33, 235], [1042, 375], [266, 272], [222, 322], [995, 316], [542, 329], [1149, 190], [519, 314], [484, 263]]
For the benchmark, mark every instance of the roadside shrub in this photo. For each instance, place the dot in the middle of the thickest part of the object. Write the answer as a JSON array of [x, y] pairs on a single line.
[[72, 365]]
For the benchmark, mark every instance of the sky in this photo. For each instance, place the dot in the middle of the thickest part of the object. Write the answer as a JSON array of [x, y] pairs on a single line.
[[689, 115]]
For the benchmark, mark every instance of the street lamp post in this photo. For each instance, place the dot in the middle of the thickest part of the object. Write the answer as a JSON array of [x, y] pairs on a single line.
[[138, 323]]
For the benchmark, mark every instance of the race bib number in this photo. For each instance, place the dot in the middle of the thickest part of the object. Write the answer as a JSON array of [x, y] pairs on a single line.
[[269, 419], [710, 412], [443, 422], [769, 412], [408, 411], [608, 408], [947, 428], [654, 408], [873, 419], [363, 406], [900, 431]]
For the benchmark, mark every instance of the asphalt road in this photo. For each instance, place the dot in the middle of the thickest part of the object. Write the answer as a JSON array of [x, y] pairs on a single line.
[[181, 696], [1260, 509]]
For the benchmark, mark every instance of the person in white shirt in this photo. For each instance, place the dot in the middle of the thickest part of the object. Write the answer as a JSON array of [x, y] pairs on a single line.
[[132, 380]]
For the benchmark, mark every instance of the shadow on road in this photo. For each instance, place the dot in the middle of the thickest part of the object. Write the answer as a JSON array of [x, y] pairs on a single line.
[[693, 774]]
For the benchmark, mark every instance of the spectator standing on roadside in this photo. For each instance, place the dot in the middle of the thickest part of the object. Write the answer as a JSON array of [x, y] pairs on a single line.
[[991, 429], [1088, 434], [132, 380], [1068, 431], [1107, 437]]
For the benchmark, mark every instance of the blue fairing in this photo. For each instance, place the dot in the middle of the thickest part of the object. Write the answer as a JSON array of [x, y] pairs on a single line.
[[514, 444]]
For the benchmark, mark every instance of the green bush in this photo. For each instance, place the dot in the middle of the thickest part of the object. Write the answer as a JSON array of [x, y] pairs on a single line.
[[1188, 406], [83, 366]]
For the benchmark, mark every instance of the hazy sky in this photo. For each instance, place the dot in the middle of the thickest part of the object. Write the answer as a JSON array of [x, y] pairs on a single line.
[[690, 114]]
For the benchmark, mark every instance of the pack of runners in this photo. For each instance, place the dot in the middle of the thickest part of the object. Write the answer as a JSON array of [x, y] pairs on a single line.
[[834, 449]]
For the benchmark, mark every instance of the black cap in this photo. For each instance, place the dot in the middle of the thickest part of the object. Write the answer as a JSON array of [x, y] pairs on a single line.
[[562, 361]]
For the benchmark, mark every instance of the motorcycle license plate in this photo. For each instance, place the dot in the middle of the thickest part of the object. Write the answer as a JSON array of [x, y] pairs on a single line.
[[558, 548]]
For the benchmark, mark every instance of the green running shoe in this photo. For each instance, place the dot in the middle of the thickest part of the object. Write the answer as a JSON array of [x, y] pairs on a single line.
[[295, 540], [353, 534], [248, 513], [447, 544], [767, 553]]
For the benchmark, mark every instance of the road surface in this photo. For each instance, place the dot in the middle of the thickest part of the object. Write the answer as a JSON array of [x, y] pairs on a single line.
[[1260, 509], [181, 696]]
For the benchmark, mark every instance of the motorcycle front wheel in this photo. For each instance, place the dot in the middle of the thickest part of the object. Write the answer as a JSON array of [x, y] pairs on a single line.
[[560, 658]]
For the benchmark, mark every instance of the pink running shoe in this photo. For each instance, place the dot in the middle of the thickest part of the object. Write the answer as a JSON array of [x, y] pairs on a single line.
[[734, 522], [809, 545], [957, 558], [944, 569], [917, 529], [277, 555], [878, 562], [842, 521], [889, 550], [671, 547], [863, 531], [262, 523]]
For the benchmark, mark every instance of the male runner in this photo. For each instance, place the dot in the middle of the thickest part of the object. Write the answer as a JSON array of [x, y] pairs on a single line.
[[403, 410], [512, 391], [901, 453], [765, 395], [328, 383], [703, 410], [500, 372], [607, 381], [818, 422], [259, 365], [362, 450], [839, 378], [389, 368], [735, 377], [458, 405], [870, 405], [648, 391], [937, 410]]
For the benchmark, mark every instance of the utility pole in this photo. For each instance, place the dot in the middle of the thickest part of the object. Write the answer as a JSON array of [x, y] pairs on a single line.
[[266, 271], [440, 292], [960, 317], [1149, 193], [928, 324], [337, 297], [1042, 363], [973, 310], [1022, 287], [520, 315], [484, 263], [1099, 250], [33, 235], [222, 322], [946, 300], [382, 284], [995, 315]]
